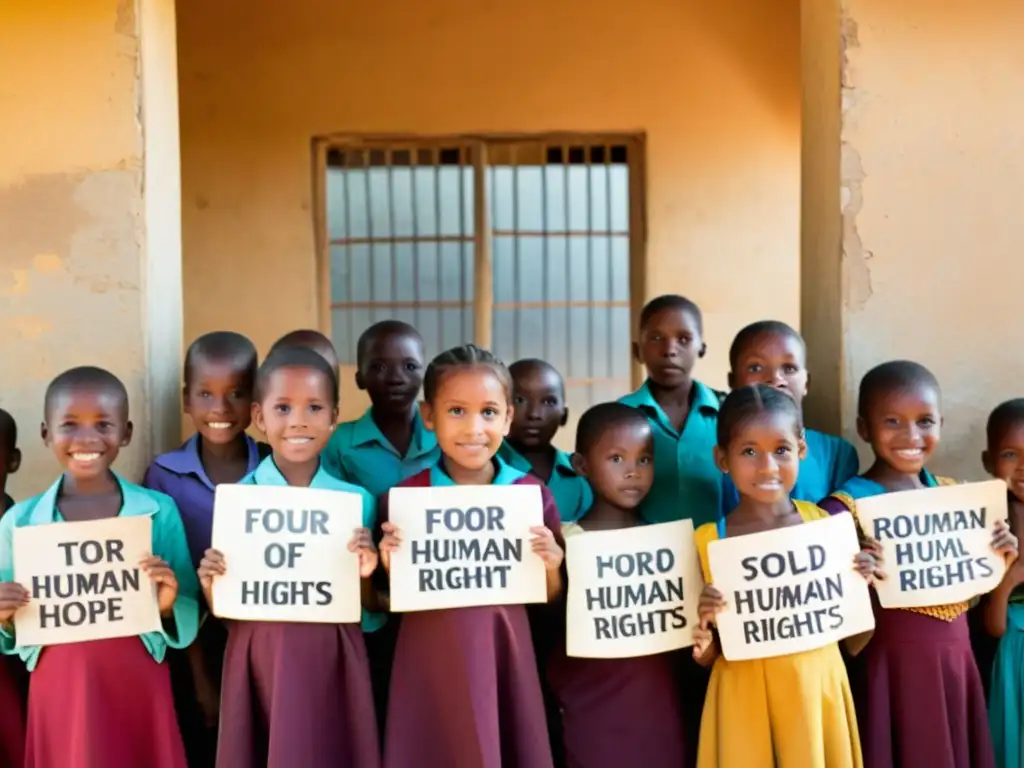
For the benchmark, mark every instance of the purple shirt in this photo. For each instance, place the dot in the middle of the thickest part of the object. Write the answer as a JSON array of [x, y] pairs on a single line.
[[180, 474]]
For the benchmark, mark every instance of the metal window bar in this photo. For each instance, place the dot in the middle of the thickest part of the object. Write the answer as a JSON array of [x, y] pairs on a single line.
[[522, 317]]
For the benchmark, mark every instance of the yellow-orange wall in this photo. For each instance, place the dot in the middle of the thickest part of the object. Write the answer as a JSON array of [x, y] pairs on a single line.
[[76, 264], [933, 168], [715, 86]]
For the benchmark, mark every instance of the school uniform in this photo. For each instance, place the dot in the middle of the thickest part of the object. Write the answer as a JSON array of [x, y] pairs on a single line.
[[572, 492], [687, 483], [918, 691], [297, 693], [616, 712], [1006, 704], [106, 703], [13, 683], [181, 475], [792, 711], [359, 453], [465, 689], [830, 462]]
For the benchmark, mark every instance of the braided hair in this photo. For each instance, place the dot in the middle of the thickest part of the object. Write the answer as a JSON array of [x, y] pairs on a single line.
[[465, 356], [746, 404]]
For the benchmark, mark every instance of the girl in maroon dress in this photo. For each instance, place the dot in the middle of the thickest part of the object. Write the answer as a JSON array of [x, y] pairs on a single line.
[[104, 703], [616, 711], [297, 694], [465, 692], [916, 685]]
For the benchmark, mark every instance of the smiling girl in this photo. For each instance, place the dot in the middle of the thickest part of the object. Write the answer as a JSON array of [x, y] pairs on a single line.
[[297, 694], [919, 695], [104, 703], [793, 711], [465, 688]]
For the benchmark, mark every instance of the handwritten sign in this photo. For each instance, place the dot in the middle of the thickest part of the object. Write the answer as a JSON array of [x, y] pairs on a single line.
[[790, 590], [466, 545], [85, 581], [286, 554], [632, 592], [937, 542]]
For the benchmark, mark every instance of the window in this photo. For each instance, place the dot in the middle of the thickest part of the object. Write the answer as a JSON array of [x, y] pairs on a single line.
[[531, 247]]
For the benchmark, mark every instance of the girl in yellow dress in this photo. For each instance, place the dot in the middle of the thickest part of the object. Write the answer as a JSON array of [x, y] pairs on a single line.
[[793, 711]]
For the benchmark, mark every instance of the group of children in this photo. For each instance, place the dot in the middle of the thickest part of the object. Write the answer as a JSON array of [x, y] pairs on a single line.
[[492, 687]]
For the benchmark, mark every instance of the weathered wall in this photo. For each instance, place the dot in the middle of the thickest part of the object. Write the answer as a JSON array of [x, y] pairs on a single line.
[[72, 226], [821, 218], [715, 87], [932, 172]]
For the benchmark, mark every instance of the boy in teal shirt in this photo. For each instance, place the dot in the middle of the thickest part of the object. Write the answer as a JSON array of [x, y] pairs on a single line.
[[388, 443], [771, 352], [538, 410], [683, 413], [382, 447]]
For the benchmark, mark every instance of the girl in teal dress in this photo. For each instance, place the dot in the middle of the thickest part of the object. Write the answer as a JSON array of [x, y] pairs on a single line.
[[1003, 609]]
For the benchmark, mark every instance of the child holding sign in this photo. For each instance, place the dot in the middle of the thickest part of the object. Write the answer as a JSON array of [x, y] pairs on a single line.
[[102, 702], [793, 711], [770, 352], [616, 711], [538, 401], [465, 680], [220, 371], [919, 695], [297, 693], [1003, 609]]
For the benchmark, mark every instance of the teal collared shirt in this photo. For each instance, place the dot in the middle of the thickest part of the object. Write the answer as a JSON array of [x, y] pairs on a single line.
[[169, 542], [358, 453], [687, 483], [267, 473], [572, 492]]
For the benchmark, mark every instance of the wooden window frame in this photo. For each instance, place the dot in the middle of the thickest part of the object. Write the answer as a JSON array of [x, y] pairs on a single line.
[[483, 271]]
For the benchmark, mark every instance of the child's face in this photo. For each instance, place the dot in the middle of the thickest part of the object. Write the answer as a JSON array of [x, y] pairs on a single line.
[[86, 428], [620, 464], [539, 407], [470, 415], [392, 371], [775, 359], [903, 427], [763, 457], [669, 345], [1005, 458], [297, 414], [219, 399]]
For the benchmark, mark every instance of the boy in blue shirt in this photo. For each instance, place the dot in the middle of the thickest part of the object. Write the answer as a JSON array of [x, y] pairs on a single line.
[[538, 410], [771, 352], [683, 413]]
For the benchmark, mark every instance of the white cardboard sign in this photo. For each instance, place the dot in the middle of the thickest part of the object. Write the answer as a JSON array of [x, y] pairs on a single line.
[[632, 592], [466, 545], [85, 581], [936, 542], [286, 554], [790, 590]]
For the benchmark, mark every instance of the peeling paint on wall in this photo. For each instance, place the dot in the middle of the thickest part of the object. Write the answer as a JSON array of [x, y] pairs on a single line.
[[856, 266]]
